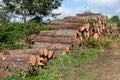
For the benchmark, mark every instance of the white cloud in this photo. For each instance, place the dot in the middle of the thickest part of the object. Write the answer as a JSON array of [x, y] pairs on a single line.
[[104, 3], [68, 11]]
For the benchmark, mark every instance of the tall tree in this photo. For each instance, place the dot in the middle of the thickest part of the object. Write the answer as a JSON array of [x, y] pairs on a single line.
[[4, 18], [31, 8], [116, 20]]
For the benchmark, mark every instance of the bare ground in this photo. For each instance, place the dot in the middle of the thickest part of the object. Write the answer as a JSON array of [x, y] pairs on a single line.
[[104, 67]]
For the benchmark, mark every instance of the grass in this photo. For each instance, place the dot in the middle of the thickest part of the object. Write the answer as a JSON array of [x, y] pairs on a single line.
[[67, 67], [60, 67]]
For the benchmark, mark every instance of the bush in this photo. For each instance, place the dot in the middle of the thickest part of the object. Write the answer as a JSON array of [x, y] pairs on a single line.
[[11, 32]]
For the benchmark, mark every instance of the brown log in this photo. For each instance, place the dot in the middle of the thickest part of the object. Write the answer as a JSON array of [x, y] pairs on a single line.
[[12, 64], [52, 46], [74, 19], [74, 26], [91, 16], [45, 51], [81, 28], [40, 60], [50, 54], [16, 57], [32, 60], [60, 33], [96, 36], [41, 52], [25, 51], [87, 26], [63, 40]]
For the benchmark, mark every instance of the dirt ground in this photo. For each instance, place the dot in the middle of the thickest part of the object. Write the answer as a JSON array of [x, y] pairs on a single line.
[[107, 65], [104, 67]]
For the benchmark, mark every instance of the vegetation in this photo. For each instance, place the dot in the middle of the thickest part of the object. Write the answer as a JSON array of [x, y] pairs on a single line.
[[114, 21], [12, 32], [31, 8], [4, 18], [67, 66]]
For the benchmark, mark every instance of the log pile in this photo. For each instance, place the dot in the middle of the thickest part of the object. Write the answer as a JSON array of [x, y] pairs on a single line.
[[64, 35]]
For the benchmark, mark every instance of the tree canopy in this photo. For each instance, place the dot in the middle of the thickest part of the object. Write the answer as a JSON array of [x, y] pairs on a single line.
[[31, 8], [4, 18]]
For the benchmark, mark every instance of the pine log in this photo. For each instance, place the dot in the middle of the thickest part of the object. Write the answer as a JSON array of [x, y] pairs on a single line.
[[91, 16], [45, 51], [60, 33], [50, 54], [63, 40], [96, 36], [73, 26], [16, 57], [32, 60], [12, 64], [52, 46], [25, 51], [40, 60], [74, 19]]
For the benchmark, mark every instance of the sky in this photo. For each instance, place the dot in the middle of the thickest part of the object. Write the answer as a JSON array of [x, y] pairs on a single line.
[[72, 7]]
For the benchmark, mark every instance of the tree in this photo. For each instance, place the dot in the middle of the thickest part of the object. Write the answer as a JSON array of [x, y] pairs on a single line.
[[116, 20], [4, 18], [31, 8]]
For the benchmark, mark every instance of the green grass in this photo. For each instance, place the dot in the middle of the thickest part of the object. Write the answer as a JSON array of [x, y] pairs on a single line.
[[61, 67], [67, 67]]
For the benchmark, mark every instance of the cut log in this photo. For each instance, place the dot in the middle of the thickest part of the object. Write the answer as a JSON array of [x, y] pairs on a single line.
[[81, 28], [96, 36], [41, 52], [62, 40], [52, 46], [50, 54], [40, 60], [24, 51], [45, 51], [12, 64], [16, 57], [32, 60], [64, 25], [74, 19], [60, 33]]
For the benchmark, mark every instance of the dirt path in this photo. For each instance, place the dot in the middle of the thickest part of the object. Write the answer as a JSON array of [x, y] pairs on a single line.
[[108, 64], [104, 67]]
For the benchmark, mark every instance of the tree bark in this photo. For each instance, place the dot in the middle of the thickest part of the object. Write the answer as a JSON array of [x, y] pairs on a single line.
[[52, 46], [60, 33]]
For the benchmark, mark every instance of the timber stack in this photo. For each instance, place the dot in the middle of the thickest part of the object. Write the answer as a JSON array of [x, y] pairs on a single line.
[[63, 36]]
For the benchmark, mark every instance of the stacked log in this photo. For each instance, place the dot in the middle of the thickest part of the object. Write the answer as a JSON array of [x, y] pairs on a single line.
[[63, 36]]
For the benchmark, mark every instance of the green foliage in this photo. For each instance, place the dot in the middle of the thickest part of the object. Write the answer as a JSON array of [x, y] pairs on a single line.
[[4, 46], [90, 21], [91, 43], [4, 18], [12, 32], [113, 21], [28, 8]]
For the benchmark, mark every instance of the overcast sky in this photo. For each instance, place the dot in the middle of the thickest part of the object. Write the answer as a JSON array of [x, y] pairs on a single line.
[[106, 7]]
